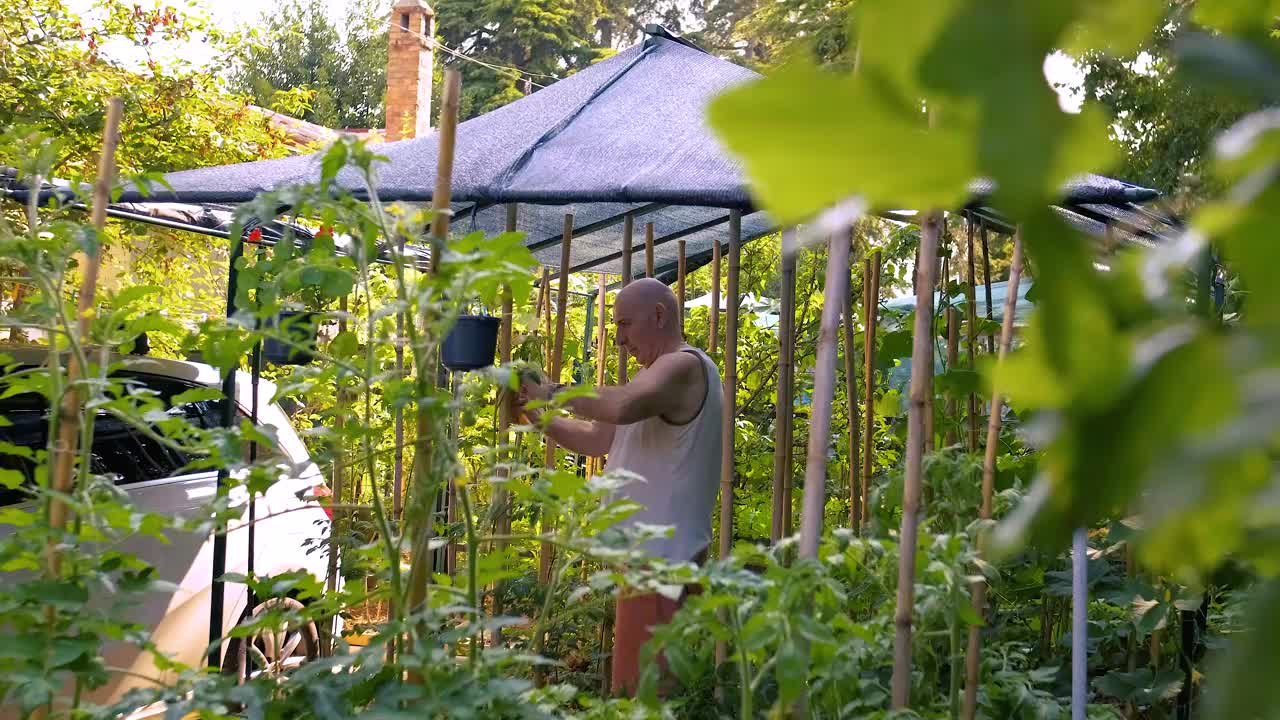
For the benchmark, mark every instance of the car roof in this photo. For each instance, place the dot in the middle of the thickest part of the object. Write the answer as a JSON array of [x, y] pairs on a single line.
[[190, 371]]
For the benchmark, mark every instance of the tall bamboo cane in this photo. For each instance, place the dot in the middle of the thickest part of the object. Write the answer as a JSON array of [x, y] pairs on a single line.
[[730, 384], [546, 556], [986, 279], [824, 381], [871, 269], [66, 450], [648, 250], [713, 329], [421, 558], [972, 320], [628, 229], [973, 660], [921, 390], [680, 281], [851, 398], [783, 415]]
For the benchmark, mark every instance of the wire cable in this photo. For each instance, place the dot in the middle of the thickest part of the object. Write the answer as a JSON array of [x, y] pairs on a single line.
[[509, 71]]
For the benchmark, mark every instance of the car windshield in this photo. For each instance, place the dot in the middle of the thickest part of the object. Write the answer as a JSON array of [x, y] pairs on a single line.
[[119, 450]]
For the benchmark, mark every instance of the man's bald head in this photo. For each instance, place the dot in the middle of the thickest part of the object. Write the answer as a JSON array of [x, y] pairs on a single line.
[[647, 315]]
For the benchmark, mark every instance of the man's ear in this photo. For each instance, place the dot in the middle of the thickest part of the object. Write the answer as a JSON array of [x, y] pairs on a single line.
[[661, 315]]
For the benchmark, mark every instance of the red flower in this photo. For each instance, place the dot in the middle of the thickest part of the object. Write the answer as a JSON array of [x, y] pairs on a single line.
[[255, 235], [325, 231]]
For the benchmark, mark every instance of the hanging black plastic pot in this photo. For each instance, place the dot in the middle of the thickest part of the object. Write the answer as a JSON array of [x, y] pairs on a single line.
[[300, 327], [471, 344]]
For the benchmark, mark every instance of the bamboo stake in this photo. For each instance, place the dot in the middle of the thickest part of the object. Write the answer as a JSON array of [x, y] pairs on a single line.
[[921, 389], [986, 279], [502, 496], [547, 555], [602, 346], [546, 315], [972, 347], [973, 662], [713, 320], [648, 250], [729, 411], [730, 384], [851, 399], [421, 559], [680, 278], [824, 386], [953, 357], [789, 428], [628, 229], [871, 269], [783, 416], [68, 444]]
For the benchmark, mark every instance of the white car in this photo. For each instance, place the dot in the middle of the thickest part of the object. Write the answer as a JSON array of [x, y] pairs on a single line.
[[291, 524]]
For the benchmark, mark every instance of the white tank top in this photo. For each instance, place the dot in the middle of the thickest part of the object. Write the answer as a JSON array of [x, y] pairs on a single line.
[[680, 465]]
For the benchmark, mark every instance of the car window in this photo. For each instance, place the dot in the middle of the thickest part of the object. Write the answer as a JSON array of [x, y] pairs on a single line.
[[119, 450]]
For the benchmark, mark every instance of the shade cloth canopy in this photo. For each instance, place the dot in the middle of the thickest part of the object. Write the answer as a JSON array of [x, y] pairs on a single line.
[[627, 135]]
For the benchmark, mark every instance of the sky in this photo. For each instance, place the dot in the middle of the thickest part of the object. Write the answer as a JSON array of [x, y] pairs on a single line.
[[228, 14]]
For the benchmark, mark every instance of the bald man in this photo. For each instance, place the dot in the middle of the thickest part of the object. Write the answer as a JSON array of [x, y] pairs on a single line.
[[663, 425]]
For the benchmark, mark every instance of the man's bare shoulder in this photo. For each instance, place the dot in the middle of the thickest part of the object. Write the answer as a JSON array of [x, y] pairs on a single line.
[[680, 364]]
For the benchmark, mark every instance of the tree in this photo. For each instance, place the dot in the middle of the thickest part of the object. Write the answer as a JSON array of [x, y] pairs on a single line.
[[299, 46], [1163, 124], [545, 39], [54, 81]]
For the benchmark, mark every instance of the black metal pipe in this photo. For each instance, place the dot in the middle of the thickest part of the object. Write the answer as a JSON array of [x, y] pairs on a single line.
[[218, 590]]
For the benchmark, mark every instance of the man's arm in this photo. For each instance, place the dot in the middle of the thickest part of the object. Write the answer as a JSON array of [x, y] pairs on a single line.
[[580, 436], [662, 389]]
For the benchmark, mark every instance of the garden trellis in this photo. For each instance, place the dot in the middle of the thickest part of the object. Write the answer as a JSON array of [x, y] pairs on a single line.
[[575, 165]]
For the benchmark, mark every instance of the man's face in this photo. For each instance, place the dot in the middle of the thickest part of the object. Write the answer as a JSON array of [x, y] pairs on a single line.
[[638, 328]]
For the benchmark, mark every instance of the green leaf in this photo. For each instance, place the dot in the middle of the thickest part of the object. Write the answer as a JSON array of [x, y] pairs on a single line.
[[1141, 687], [1236, 15], [1116, 26], [841, 133], [11, 478], [791, 670], [1245, 685], [197, 394]]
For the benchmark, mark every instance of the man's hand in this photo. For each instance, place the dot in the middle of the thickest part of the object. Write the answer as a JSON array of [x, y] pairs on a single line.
[[532, 391]]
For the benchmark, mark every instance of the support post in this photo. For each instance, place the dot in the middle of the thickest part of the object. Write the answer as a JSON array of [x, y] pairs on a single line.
[[680, 278], [546, 316], [1079, 623], [921, 390], [824, 386], [628, 229], [973, 659], [648, 250], [870, 269], [602, 343], [546, 556], [783, 416]]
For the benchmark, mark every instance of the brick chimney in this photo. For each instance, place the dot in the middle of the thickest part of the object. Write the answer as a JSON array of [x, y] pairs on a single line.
[[409, 64]]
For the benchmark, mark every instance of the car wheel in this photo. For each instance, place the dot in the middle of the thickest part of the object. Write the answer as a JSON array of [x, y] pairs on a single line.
[[272, 650]]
